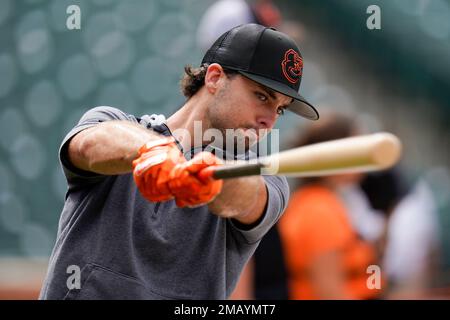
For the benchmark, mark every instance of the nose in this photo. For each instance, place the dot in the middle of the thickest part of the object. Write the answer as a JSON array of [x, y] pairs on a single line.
[[267, 121]]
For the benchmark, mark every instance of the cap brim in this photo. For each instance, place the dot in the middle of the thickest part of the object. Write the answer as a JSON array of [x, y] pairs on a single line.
[[300, 106]]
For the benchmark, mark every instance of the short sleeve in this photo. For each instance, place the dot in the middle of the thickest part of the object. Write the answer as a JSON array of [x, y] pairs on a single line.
[[277, 199], [91, 118]]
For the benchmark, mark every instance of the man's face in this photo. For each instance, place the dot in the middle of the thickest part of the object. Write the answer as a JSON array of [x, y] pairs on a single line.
[[246, 106]]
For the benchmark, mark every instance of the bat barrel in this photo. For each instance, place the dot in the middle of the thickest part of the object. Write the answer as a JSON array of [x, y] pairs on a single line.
[[387, 150], [355, 154]]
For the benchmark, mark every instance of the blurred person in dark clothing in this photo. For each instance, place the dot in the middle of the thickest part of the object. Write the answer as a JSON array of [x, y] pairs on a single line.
[[411, 241], [270, 273], [265, 275]]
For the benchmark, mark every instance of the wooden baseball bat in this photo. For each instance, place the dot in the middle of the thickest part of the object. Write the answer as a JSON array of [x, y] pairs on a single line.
[[366, 153]]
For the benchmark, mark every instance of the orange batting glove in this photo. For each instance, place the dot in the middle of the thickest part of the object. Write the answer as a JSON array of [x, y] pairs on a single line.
[[189, 187], [152, 168]]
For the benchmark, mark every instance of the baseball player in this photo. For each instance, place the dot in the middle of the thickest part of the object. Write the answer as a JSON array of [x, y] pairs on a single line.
[[139, 220]]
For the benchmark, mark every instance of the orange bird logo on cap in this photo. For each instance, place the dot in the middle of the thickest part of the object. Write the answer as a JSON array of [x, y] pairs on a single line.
[[292, 66]]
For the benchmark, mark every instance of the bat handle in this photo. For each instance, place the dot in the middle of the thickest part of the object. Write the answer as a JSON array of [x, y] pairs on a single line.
[[207, 173], [231, 171]]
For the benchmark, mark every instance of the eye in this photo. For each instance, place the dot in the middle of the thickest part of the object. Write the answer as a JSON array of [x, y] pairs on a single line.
[[280, 111], [261, 96]]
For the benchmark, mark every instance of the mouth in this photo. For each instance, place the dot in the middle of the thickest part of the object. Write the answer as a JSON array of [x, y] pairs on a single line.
[[251, 133], [257, 133]]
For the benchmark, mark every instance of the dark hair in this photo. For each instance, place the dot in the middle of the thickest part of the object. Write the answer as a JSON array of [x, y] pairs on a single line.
[[331, 126], [385, 189], [194, 78]]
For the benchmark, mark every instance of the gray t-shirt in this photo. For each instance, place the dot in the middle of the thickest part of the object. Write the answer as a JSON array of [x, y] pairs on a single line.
[[129, 248]]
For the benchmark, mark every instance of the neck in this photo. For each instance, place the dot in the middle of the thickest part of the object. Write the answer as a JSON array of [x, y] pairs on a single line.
[[189, 122]]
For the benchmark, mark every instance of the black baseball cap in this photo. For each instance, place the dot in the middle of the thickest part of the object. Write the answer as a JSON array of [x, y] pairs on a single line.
[[266, 56]]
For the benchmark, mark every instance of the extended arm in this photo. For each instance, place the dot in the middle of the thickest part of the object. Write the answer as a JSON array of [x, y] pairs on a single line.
[[109, 147]]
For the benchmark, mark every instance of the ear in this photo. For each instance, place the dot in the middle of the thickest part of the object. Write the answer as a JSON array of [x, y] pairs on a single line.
[[213, 77]]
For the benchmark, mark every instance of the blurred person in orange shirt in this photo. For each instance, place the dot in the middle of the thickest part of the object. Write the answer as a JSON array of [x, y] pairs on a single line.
[[326, 257]]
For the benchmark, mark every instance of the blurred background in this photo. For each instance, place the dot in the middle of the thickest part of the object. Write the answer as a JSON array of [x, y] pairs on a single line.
[[130, 54]]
